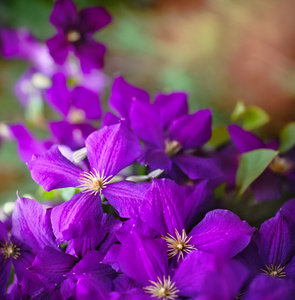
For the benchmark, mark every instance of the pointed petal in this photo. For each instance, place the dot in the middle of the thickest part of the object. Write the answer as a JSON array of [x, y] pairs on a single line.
[[91, 55], [64, 14], [112, 148], [31, 224], [221, 232], [274, 240], [167, 197], [58, 95], [52, 170], [58, 48], [143, 258], [126, 196], [79, 216], [244, 140], [147, 124], [5, 266], [192, 131], [93, 19], [52, 265], [198, 167], [123, 94], [87, 101], [172, 106]]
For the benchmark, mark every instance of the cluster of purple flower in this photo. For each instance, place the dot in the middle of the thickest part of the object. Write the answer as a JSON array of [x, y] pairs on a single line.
[[128, 234]]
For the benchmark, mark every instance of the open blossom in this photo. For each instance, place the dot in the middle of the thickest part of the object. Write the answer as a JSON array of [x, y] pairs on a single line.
[[74, 33]]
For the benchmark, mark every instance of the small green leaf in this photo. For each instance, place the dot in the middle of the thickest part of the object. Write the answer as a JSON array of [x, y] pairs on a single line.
[[238, 111], [67, 193], [219, 137], [254, 117], [287, 137], [252, 165]]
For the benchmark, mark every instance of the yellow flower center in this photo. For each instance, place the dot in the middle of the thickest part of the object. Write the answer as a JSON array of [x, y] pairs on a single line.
[[162, 289], [274, 271], [172, 147], [93, 182], [281, 165], [73, 36], [179, 245], [10, 250]]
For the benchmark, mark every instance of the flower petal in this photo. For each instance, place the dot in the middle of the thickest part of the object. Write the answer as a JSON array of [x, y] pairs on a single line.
[[52, 170], [112, 148]]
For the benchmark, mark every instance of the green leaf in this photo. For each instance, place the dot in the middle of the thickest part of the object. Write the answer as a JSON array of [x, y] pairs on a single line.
[[252, 164], [219, 137], [287, 137], [254, 117], [238, 111]]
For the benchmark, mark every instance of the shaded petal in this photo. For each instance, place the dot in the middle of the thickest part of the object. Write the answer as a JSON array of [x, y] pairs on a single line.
[[266, 187], [27, 144], [58, 48], [3, 233], [79, 216], [126, 196], [123, 94], [93, 19], [71, 135], [31, 224], [288, 209], [109, 119], [209, 275], [87, 101], [143, 258], [221, 232], [64, 14], [275, 240], [270, 288], [172, 106], [167, 197], [198, 167], [244, 140], [91, 55], [52, 170], [5, 266], [147, 124], [112, 148], [52, 265], [58, 96], [192, 131], [155, 158]]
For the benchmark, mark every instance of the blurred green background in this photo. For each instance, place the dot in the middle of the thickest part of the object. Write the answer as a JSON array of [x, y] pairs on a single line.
[[220, 51]]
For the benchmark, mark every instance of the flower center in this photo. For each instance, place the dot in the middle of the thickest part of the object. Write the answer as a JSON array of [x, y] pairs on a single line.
[[274, 271], [10, 250], [179, 245], [76, 115], [73, 36], [165, 289], [281, 165], [172, 147], [93, 182]]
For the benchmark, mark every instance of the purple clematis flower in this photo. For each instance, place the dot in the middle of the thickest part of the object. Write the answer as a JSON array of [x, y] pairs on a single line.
[[220, 232], [272, 250], [77, 105], [269, 184], [74, 33], [29, 235], [142, 259], [109, 150]]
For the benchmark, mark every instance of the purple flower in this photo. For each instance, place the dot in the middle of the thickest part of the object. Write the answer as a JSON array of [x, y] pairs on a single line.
[[109, 150], [74, 33]]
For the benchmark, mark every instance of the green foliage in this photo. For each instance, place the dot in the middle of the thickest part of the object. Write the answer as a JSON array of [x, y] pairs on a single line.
[[287, 137], [251, 166], [252, 116], [219, 137]]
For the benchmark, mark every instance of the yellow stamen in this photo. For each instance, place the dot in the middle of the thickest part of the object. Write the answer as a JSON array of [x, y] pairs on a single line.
[[10, 250], [172, 147], [73, 36], [178, 245], [93, 182], [281, 165], [274, 271], [165, 289]]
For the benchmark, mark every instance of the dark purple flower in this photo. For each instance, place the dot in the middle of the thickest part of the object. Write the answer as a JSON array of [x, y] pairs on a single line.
[[74, 33]]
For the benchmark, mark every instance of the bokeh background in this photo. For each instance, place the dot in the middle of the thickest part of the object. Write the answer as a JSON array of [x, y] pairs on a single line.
[[220, 51]]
